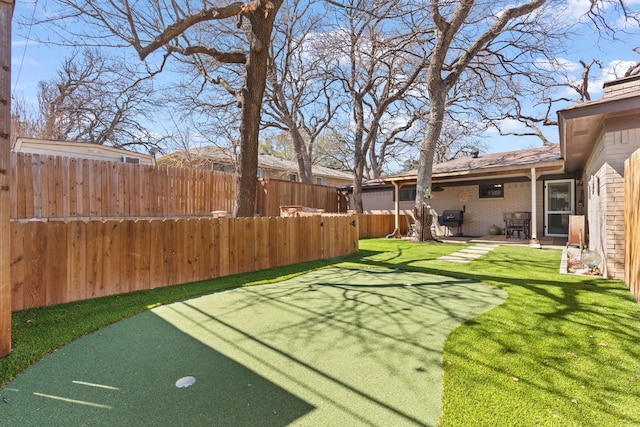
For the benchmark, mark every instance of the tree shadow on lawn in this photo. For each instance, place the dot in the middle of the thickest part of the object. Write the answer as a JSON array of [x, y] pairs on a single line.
[[364, 346], [558, 340], [125, 374]]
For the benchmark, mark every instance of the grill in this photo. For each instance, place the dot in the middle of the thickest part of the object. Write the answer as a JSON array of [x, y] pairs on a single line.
[[452, 219]]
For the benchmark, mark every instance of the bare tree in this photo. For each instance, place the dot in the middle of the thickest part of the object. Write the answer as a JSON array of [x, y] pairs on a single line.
[[176, 28], [499, 34], [25, 121], [300, 99], [458, 139], [378, 51], [98, 100], [535, 106], [333, 149], [634, 69], [471, 34]]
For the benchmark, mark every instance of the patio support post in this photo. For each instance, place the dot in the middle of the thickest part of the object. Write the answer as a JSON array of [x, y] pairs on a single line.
[[396, 188], [534, 217]]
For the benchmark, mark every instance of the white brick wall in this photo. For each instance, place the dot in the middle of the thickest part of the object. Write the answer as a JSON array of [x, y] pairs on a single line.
[[605, 167]]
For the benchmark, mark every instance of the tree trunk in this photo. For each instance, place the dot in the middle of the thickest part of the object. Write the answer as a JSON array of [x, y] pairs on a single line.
[[302, 156], [423, 217], [256, 66], [357, 188], [437, 97]]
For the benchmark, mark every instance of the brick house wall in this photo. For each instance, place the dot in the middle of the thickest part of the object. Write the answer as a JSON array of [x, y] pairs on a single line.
[[604, 194]]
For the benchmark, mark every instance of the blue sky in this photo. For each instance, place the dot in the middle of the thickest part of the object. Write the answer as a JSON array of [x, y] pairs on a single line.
[[33, 62]]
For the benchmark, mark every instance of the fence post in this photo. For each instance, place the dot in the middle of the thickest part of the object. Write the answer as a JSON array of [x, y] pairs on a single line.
[[6, 13]]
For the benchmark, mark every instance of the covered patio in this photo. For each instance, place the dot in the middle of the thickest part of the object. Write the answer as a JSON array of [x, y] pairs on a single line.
[[486, 188]]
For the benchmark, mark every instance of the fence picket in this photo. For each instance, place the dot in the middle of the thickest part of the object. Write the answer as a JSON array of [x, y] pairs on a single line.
[[56, 262], [127, 259], [17, 266], [261, 238], [34, 294], [77, 260], [225, 251], [141, 246], [95, 251]]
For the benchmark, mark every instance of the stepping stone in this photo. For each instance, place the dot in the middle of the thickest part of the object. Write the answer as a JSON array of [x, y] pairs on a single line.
[[467, 255], [470, 253], [453, 259], [482, 248], [474, 251]]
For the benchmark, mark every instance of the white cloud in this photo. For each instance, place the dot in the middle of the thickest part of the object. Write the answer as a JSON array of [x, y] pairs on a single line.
[[508, 126], [577, 9], [17, 61], [615, 70], [626, 24], [558, 64]]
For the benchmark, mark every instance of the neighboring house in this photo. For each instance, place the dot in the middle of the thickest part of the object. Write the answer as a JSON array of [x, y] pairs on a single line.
[[80, 150], [583, 175], [223, 159]]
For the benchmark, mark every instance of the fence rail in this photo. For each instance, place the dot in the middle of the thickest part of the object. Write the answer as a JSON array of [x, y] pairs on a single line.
[[54, 262], [632, 224]]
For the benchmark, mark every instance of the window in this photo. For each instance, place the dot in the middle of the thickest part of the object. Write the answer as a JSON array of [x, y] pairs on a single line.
[[261, 173], [488, 191], [407, 194], [319, 181], [293, 177]]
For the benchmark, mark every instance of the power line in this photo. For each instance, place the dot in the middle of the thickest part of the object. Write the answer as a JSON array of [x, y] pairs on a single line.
[[24, 52]]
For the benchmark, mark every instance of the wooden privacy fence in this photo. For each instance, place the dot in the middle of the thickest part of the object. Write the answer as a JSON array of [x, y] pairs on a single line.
[[380, 225], [62, 187], [273, 193], [61, 261], [632, 224]]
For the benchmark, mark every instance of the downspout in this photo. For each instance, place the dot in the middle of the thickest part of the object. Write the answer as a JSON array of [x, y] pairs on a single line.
[[396, 230]]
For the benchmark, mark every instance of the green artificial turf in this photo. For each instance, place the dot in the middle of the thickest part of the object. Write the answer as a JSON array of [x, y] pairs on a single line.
[[337, 346], [562, 350], [39, 331]]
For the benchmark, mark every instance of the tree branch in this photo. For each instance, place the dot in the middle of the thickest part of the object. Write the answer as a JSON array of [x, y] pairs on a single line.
[[181, 25], [224, 57]]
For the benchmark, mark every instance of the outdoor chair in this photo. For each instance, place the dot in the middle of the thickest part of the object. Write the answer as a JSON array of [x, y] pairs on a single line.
[[517, 222], [412, 232]]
